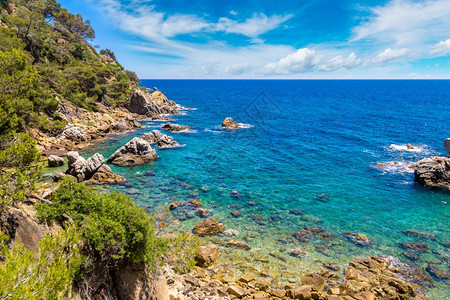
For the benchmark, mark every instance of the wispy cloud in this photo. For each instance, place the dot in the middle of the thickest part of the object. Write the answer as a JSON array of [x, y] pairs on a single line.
[[389, 55], [406, 22]]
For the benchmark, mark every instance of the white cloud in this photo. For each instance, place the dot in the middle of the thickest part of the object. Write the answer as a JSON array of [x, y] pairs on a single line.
[[233, 12], [305, 60], [298, 62], [239, 69], [148, 23], [252, 27], [406, 22], [389, 55], [340, 61], [443, 48]]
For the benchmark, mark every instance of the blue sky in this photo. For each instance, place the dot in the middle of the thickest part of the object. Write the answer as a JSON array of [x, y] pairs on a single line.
[[274, 39]]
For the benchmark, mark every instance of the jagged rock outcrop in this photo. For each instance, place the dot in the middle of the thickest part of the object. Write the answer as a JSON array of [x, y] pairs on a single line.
[[83, 169], [387, 277], [55, 161], [151, 105], [136, 152], [73, 133], [162, 140], [22, 225], [230, 123], [433, 172], [125, 124], [209, 226], [175, 127]]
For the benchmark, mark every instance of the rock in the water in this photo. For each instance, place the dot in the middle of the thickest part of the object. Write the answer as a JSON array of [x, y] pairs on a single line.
[[105, 175], [209, 226], [135, 152], [207, 256], [437, 273], [358, 239], [175, 127], [163, 141], [298, 253], [73, 133], [419, 247], [238, 244], [447, 145], [385, 276], [81, 168], [230, 123], [55, 161], [143, 103], [433, 171], [419, 234]]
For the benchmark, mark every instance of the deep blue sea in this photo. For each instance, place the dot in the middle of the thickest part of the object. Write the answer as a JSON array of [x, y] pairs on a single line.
[[344, 140]]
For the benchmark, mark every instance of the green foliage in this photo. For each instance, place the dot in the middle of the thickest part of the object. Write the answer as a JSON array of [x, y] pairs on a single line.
[[45, 274], [132, 76], [181, 252], [108, 53], [114, 227], [17, 152]]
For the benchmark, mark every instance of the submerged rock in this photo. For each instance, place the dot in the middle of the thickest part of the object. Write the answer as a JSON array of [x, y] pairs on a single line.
[[55, 161], [135, 152], [209, 226], [437, 273], [175, 127], [419, 234], [433, 171], [230, 123], [238, 244], [419, 247], [358, 239]]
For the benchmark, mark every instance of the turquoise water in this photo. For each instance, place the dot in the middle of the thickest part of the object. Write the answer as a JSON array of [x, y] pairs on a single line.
[[338, 139]]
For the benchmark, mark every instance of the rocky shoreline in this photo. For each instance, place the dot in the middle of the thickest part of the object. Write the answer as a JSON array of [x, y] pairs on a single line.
[[375, 277]]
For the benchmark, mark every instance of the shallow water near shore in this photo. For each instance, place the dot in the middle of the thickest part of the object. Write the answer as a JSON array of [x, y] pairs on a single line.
[[343, 140]]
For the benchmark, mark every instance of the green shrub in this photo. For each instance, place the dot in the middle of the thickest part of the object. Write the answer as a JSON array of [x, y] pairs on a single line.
[[47, 273], [114, 227], [181, 252]]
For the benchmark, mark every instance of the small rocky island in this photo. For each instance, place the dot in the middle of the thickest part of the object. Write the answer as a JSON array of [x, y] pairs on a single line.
[[229, 123], [434, 171]]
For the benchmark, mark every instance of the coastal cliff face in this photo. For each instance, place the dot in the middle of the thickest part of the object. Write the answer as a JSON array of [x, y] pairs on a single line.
[[433, 172]]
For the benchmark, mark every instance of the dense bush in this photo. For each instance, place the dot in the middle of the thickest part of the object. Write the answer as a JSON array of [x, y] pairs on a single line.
[[114, 227], [47, 273]]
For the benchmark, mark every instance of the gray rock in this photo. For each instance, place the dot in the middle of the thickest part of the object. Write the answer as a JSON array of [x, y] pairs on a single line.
[[122, 125], [142, 103], [163, 141], [433, 171], [73, 133], [175, 127], [55, 161], [447, 145], [83, 169], [135, 152], [72, 157]]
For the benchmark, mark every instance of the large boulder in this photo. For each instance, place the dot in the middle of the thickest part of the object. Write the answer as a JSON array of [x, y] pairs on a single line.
[[136, 152], [209, 226], [55, 161], [447, 145], [143, 103], [175, 127], [230, 123], [206, 256], [73, 133], [163, 141], [433, 171], [83, 169]]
